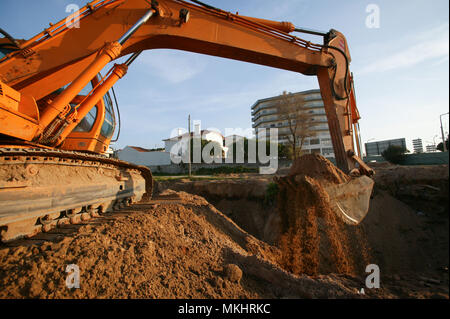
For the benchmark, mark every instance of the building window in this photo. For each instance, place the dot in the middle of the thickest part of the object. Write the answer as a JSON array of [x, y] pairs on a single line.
[[315, 96], [327, 151], [314, 104], [314, 141]]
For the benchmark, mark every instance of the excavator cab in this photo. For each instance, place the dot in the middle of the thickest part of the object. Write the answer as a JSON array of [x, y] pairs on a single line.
[[94, 132]]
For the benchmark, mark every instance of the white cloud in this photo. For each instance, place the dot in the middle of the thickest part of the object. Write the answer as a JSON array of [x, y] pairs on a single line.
[[433, 44], [174, 66]]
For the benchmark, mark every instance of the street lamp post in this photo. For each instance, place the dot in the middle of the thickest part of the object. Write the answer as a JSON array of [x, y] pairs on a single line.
[[442, 132], [189, 146]]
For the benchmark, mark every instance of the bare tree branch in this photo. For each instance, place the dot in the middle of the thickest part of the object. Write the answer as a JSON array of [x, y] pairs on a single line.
[[291, 109]]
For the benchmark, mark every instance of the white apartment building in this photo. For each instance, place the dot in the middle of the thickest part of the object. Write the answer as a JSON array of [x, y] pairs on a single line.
[[264, 115], [417, 145]]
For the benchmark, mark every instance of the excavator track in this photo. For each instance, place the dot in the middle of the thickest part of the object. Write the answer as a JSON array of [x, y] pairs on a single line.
[[41, 189]]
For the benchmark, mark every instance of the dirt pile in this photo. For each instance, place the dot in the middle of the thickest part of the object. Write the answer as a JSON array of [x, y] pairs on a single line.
[[319, 168], [243, 200], [403, 232], [188, 248], [313, 239], [425, 188], [174, 250]]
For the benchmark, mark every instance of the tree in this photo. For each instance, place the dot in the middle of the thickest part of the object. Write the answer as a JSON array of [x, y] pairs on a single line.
[[291, 109], [440, 146], [394, 154], [282, 151], [203, 143]]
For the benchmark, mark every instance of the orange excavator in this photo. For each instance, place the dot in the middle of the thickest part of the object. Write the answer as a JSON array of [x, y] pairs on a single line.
[[57, 116]]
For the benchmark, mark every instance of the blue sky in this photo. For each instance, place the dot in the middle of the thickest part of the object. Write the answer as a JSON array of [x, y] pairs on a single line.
[[401, 69]]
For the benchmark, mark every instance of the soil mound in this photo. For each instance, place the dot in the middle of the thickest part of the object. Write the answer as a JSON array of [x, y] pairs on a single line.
[[318, 167], [177, 250]]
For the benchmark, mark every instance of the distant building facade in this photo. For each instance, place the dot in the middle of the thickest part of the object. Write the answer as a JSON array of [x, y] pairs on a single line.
[[265, 115], [417, 145], [430, 148], [376, 148]]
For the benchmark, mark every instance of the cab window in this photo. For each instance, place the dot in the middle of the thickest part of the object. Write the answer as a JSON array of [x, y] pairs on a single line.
[[87, 122], [109, 123]]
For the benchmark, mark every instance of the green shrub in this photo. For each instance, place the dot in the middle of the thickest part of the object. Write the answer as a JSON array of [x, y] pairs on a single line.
[[271, 193], [226, 170], [394, 154]]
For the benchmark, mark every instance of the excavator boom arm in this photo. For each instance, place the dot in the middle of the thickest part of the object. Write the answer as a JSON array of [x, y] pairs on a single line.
[[63, 54]]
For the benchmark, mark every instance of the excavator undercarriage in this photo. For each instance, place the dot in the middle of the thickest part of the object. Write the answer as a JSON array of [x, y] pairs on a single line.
[[41, 189]]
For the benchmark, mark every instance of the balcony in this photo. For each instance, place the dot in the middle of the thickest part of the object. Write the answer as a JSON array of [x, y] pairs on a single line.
[[263, 113], [261, 106], [265, 120], [313, 104], [311, 97]]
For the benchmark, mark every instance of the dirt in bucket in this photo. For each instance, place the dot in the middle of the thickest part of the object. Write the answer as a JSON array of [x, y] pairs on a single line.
[[313, 239]]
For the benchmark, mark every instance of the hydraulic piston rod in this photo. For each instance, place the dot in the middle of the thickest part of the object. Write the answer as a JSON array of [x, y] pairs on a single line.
[[110, 52], [134, 28]]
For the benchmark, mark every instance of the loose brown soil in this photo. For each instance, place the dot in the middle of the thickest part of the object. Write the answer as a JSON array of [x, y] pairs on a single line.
[[187, 248], [303, 205], [183, 250], [407, 239]]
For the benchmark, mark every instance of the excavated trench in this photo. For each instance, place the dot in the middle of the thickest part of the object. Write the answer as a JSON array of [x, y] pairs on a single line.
[[182, 245], [313, 241]]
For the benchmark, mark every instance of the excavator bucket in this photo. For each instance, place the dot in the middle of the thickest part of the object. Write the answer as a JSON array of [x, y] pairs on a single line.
[[350, 201], [315, 183]]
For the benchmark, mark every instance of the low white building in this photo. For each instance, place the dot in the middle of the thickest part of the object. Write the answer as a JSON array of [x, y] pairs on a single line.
[[177, 145], [141, 156], [431, 148]]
